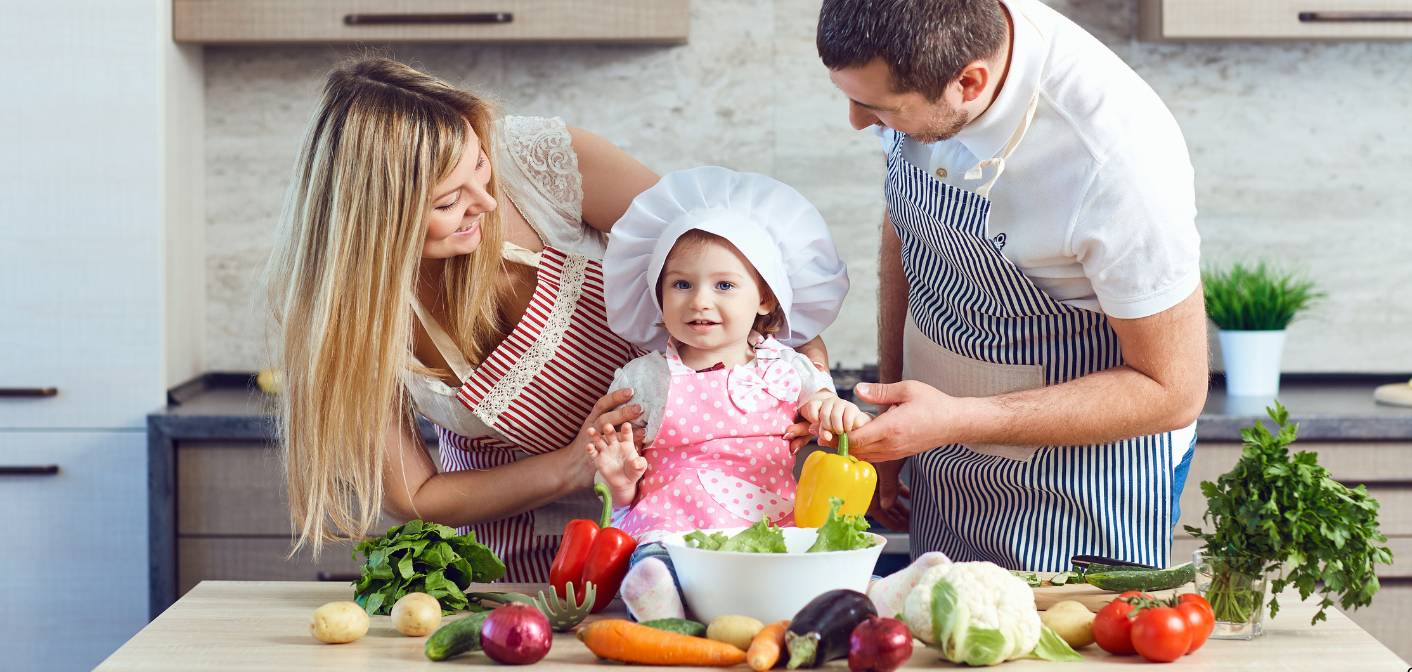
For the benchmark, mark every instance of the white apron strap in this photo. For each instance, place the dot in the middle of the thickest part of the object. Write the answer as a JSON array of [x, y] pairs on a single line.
[[999, 160], [442, 341], [518, 255]]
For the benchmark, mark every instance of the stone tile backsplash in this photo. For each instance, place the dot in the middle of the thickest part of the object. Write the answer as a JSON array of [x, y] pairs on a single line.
[[1302, 152]]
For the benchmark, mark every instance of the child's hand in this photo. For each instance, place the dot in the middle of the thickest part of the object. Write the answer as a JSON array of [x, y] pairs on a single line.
[[615, 454], [829, 415]]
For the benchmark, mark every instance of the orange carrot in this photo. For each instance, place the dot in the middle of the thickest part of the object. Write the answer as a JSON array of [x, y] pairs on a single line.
[[765, 648], [628, 642]]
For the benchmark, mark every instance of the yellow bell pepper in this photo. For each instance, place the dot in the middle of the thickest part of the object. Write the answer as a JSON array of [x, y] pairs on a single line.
[[828, 475]]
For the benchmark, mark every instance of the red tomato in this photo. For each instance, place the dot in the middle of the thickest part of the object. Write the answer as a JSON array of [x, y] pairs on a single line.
[[1161, 634], [1112, 628], [1200, 619]]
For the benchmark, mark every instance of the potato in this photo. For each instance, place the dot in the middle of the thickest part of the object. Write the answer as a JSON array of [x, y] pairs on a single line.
[[1072, 621], [416, 614], [339, 623], [734, 630]]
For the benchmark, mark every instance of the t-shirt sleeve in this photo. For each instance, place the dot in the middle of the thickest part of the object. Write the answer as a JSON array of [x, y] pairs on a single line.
[[811, 378], [1135, 233], [649, 378]]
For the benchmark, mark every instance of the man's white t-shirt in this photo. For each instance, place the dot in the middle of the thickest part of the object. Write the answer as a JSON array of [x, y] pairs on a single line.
[[1097, 205]]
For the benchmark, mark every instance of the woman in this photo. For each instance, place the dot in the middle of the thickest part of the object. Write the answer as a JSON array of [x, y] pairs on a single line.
[[436, 258]]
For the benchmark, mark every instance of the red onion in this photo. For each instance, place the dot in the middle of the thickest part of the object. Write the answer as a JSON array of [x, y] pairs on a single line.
[[879, 645], [516, 634]]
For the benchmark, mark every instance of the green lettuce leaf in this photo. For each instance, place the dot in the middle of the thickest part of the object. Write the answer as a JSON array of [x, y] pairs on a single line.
[[708, 542], [841, 533], [762, 537]]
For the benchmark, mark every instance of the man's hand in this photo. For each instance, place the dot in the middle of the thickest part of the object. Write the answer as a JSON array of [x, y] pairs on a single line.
[[893, 504], [919, 419]]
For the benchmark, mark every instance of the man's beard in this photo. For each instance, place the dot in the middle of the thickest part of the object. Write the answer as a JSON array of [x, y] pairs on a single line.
[[943, 127]]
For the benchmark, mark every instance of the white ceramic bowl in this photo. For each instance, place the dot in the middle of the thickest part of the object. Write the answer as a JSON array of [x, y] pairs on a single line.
[[767, 586]]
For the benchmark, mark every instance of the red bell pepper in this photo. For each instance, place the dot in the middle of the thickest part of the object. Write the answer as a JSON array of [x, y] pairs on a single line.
[[593, 552]]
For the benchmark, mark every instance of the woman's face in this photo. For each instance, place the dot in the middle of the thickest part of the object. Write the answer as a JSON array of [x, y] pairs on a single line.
[[458, 205]]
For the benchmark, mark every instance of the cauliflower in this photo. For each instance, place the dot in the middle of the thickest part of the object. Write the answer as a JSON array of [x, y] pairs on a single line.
[[976, 613]]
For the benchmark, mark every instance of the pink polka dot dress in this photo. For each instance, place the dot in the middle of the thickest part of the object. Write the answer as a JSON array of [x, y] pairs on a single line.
[[720, 458]]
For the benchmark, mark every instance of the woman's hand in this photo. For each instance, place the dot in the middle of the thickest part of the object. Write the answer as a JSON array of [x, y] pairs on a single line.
[[613, 409]]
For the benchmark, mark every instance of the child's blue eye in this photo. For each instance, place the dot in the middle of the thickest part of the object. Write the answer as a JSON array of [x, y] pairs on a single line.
[[725, 285], [681, 284]]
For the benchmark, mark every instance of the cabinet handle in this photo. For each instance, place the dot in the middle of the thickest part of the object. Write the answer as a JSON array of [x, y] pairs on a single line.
[[407, 18], [30, 470], [28, 392], [335, 576], [1354, 17]]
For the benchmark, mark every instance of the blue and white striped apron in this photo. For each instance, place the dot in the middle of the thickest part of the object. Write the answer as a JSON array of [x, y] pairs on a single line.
[[973, 314]]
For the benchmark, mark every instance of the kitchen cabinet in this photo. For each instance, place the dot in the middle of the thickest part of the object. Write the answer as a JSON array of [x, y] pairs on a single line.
[[1274, 19], [75, 568], [1385, 467], [306, 21], [98, 273], [232, 519]]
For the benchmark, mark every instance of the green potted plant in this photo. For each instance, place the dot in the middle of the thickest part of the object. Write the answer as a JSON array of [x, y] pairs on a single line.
[[1252, 306], [1279, 519]]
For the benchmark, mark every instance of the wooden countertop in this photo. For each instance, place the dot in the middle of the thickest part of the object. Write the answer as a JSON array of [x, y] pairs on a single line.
[[264, 625]]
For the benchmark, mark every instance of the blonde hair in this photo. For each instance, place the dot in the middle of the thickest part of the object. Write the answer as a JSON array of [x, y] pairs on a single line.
[[341, 279], [768, 324]]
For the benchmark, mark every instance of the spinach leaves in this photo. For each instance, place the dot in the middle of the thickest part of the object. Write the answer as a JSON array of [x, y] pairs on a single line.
[[422, 557]]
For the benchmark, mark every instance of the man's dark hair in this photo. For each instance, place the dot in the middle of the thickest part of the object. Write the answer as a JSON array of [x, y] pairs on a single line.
[[925, 43]]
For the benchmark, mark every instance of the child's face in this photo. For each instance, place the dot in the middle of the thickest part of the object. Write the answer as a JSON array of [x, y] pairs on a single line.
[[710, 297]]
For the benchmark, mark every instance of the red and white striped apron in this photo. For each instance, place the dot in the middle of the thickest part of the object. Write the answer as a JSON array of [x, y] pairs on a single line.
[[535, 390]]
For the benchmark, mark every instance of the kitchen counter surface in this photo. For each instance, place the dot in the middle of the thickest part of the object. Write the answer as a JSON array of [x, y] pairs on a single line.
[[1328, 408], [265, 626]]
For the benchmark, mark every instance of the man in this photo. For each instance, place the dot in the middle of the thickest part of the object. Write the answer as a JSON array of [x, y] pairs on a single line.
[[1040, 286]]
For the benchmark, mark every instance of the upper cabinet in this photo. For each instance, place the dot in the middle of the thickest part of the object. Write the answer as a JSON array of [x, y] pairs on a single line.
[[1274, 19], [314, 21]]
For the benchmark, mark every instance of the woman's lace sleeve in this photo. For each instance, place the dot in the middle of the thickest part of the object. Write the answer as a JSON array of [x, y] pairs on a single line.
[[544, 152]]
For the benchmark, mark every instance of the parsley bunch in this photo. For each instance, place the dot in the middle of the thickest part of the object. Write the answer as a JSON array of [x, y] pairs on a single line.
[[1283, 514]]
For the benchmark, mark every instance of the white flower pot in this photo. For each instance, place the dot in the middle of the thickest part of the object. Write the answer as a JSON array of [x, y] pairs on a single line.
[[1252, 361]]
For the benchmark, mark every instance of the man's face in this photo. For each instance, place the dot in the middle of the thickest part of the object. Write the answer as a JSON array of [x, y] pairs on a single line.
[[872, 101]]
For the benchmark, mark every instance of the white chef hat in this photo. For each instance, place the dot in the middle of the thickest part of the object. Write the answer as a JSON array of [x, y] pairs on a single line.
[[777, 230]]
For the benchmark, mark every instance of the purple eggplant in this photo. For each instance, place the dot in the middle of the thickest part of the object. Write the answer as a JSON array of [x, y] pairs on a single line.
[[820, 632]]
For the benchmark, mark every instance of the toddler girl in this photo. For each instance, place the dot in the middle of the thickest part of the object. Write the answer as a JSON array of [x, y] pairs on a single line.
[[719, 273]]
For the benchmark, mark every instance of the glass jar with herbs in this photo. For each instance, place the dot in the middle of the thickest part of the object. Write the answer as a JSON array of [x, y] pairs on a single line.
[[1276, 520]]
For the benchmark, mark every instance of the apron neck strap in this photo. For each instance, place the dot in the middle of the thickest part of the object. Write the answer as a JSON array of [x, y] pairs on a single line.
[[518, 255], [442, 341], [998, 161]]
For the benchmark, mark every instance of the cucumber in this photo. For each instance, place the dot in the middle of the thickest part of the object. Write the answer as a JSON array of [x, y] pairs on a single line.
[[1099, 568], [456, 637], [1062, 578], [1031, 579], [1121, 580], [681, 626]]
